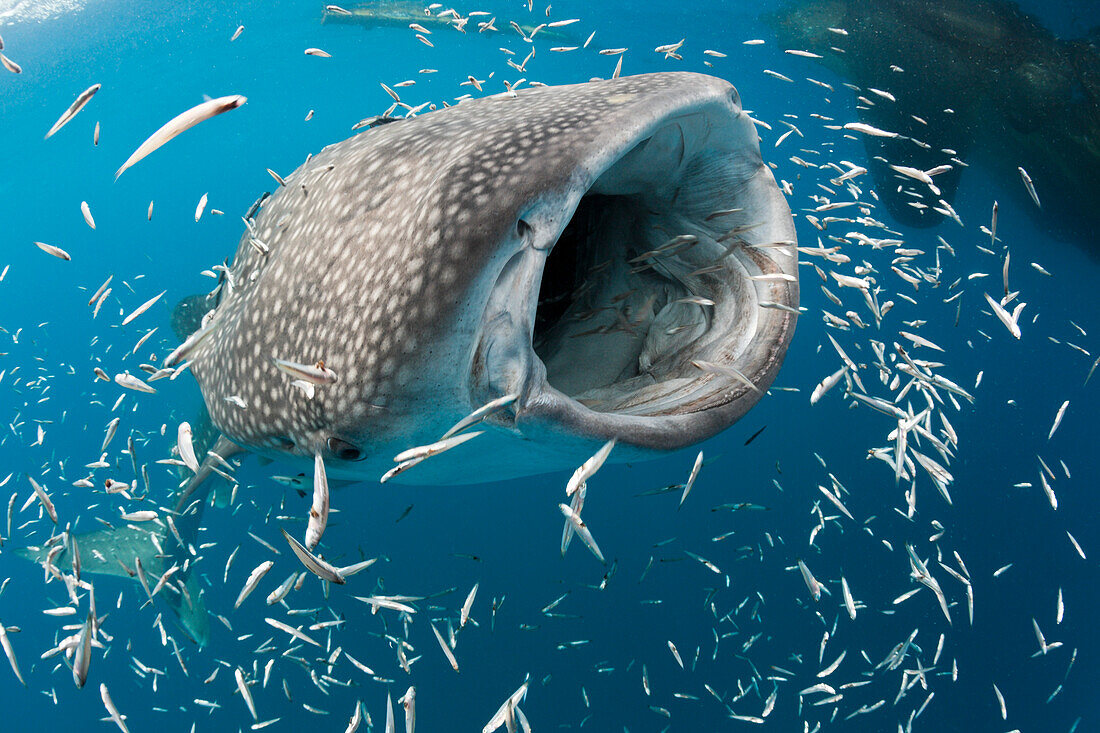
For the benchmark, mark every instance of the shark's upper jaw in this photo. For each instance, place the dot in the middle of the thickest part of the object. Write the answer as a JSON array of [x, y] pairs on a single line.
[[501, 247]]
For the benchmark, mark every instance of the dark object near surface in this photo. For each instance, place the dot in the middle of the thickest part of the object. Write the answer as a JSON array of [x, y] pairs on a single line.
[[990, 82]]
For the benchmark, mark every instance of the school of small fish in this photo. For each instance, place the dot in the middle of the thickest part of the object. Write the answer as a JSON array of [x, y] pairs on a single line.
[[881, 365]]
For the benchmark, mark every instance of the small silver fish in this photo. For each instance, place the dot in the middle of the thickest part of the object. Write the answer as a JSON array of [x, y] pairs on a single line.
[[1030, 186], [811, 581], [246, 695], [129, 381], [44, 498], [318, 512], [52, 250], [77, 105], [869, 130], [180, 123], [314, 564], [469, 603], [317, 374], [589, 468], [86, 212], [254, 579], [582, 531], [186, 447], [142, 308], [5, 642], [82, 654], [408, 701], [10, 65], [443, 645], [275, 623], [112, 711]]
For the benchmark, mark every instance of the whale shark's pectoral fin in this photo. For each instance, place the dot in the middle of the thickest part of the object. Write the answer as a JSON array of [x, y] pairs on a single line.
[[222, 451]]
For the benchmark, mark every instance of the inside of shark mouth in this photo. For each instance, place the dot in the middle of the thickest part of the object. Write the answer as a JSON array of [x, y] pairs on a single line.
[[671, 288]]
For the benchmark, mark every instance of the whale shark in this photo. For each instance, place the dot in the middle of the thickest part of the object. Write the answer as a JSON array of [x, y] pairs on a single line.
[[615, 258], [583, 247]]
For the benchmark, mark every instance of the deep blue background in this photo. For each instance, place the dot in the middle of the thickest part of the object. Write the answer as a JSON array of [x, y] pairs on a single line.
[[157, 58]]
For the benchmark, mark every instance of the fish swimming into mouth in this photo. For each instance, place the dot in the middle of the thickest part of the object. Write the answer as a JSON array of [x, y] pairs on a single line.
[[615, 255], [601, 250]]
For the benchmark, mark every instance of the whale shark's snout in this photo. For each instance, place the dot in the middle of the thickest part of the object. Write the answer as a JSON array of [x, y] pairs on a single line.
[[615, 253]]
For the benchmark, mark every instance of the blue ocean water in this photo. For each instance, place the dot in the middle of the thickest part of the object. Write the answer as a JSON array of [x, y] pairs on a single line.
[[585, 660]]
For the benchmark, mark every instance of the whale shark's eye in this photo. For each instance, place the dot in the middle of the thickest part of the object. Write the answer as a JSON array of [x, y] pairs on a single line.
[[343, 450], [522, 228]]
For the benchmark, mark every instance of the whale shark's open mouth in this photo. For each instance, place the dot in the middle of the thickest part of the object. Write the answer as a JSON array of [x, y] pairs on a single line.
[[668, 295]]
